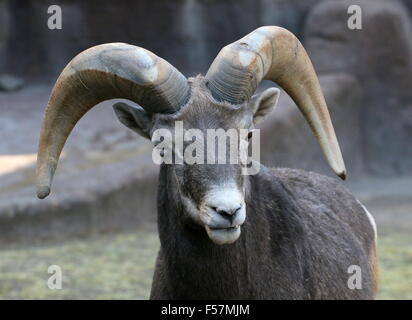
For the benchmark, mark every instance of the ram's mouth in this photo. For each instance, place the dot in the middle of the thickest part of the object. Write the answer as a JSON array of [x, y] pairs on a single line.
[[223, 235], [228, 229]]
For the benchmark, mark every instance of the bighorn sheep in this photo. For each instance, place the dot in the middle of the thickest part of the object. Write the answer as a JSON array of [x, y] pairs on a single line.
[[303, 231]]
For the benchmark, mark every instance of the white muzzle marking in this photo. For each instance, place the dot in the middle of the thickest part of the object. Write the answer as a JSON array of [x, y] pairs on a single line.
[[223, 228]]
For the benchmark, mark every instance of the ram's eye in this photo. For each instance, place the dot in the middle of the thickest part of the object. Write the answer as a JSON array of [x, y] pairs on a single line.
[[162, 153], [249, 135]]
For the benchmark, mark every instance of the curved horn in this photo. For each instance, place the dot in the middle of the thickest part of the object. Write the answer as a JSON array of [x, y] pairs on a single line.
[[108, 71], [273, 53]]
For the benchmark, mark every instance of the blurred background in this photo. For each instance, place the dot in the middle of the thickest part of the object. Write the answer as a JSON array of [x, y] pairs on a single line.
[[99, 224]]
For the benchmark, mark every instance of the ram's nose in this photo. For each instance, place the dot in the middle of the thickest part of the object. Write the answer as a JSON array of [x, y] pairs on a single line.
[[227, 212], [225, 207], [225, 222], [220, 217]]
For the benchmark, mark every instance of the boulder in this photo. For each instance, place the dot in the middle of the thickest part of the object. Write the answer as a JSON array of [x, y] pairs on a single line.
[[287, 141], [380, 57], [106, 180]]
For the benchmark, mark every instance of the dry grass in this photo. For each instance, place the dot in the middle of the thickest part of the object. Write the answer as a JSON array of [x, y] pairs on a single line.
[[107, 267], [121, 267], [395, 259]]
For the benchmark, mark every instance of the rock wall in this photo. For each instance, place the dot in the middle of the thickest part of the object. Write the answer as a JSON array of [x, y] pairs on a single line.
[[188, 33], [365, 75]]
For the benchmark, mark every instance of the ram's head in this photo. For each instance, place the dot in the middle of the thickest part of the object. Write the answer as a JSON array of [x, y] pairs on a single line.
[[213, 194]]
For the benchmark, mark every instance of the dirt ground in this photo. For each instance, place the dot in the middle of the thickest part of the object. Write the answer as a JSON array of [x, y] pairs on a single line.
[[120, 266]]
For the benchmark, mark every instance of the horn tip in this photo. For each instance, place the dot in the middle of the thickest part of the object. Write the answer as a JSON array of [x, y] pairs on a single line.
[[342, 174], [43, 192]]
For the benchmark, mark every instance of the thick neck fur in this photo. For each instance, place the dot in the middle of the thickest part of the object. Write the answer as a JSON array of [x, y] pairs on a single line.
[[191, 266]]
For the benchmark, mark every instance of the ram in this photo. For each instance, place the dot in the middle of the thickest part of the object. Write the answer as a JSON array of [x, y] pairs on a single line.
[[302, 232]]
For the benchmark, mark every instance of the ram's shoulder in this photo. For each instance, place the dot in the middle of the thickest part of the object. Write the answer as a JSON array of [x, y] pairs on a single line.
[[317, 192], [323, 197], [308, 181]]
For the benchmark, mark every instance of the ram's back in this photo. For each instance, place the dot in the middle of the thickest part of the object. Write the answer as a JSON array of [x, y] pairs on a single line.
[[338, 232]]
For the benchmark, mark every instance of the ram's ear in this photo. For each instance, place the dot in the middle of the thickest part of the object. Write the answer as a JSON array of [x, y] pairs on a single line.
[[262, 104], [134, 118]]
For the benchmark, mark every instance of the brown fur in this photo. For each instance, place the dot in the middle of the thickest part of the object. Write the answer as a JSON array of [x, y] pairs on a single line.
[[375, 269]]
